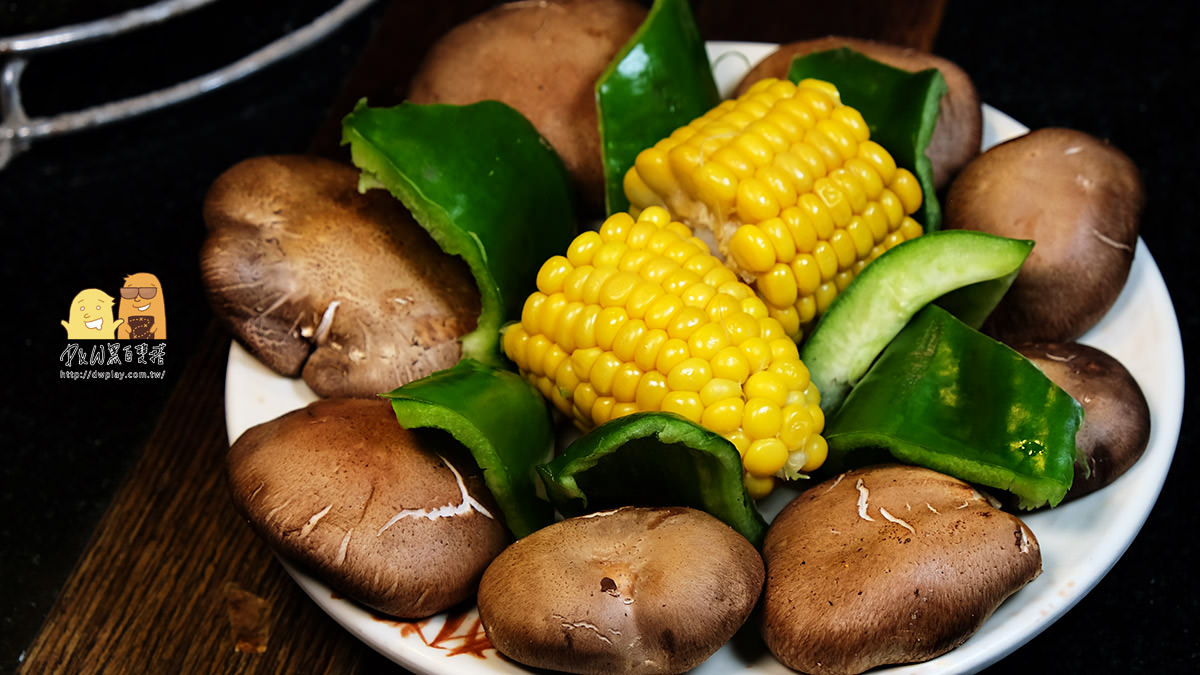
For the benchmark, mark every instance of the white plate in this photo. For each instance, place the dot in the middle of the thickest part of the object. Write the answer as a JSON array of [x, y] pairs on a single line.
[[1080, 540]]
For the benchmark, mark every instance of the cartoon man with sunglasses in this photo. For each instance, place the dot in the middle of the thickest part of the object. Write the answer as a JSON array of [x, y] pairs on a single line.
[[142, 309]]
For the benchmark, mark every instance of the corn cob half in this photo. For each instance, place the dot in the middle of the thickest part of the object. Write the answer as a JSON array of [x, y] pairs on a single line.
[[796, 195], [640, 316]]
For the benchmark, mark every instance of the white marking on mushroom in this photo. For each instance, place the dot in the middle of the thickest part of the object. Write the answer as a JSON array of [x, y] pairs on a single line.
[[1110, 241], [930, 507], [256, 490], [835, 482], [284, 505], [341, 554], [277, 304], [965, 504], [467, 505], [1073, 150], [884, 512], [1084, 182], [597, 514], [326, 321], [312, 522], [1024, 541], [1060, 358], [571, 625], [402, 300], [863, 492]]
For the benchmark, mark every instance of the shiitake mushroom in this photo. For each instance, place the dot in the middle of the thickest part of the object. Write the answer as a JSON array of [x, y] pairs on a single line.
[[1080, 200], [887, 564], [542, 58], [398, 520], [632, 590], [1116, 422], [320, 280], [959, 129]]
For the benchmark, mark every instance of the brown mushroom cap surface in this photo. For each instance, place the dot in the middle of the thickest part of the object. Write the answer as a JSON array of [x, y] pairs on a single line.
[[888, 564], [1080, 200], [634, 590], [320, 280], [398, 520], [1116, 421], [959, 130], [542, 58]]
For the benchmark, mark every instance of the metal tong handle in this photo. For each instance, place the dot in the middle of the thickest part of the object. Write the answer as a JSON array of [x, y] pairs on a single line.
[[17, 131]]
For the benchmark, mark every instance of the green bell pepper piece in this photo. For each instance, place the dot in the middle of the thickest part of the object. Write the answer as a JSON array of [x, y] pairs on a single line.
[[946, 397], [962, 270], [649, 459], [660, 80], [484, 184], [901, 109], [500, 418]]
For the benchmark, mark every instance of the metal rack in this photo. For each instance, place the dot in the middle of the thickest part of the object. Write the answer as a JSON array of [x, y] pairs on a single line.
[[18, 132]]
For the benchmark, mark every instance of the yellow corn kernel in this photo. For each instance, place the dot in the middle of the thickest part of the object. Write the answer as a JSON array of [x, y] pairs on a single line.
[[626, 340], [908, 189], [691, 374], [645, 353], [815, 451], [780, 238], [552, 274], [686, 403], [730, 363], [708, 339], [827, 259], [807, 274], [719, 389], [603, 371], [698, 295], [778, 286], [751, 249], [651, 391], [910, 228], [723, 416], [765, 457], [658, 314], [671, 354], [625, 382], [755, 200], [767, 385], [758, 486], [757, 351]]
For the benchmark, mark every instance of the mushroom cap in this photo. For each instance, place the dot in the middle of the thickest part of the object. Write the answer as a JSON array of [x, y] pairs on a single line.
[[318, 279], [1116, 417], [398, 520], [1080, 200], [959, 130], [542, 58], [888, 564], [634, 590]]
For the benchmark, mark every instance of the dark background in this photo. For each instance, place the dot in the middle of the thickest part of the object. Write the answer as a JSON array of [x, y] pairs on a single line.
[[87, 209]]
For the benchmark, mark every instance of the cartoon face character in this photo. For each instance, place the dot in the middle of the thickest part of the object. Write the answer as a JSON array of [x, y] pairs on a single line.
[[142, 308], [91, 316]]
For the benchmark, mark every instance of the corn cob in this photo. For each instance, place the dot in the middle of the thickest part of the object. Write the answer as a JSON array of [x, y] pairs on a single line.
[[796, 195], [640, 316]]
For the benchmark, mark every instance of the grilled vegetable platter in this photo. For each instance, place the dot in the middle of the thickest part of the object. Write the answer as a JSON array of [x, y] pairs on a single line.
[[762, 409]]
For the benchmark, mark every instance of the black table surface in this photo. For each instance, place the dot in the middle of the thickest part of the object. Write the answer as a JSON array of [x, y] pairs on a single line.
[[84, 210]]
